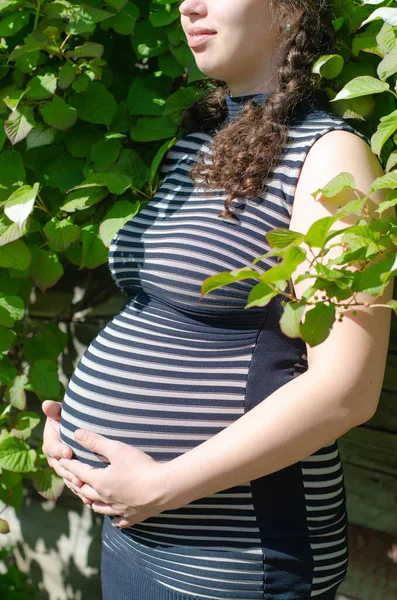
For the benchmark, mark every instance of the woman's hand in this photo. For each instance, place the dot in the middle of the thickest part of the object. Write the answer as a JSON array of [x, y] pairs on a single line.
[[132, 487], [54, 449]]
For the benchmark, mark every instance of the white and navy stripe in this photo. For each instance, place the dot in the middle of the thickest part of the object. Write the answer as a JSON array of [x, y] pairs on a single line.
[[171, 370]]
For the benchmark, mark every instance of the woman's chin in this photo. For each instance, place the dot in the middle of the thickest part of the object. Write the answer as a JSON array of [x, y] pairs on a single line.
[[210, 70]]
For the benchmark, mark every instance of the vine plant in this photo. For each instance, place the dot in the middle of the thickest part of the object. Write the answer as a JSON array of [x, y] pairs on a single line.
[[91, 99]]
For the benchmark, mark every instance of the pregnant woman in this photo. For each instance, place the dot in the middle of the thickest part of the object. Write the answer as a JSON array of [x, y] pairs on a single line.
[[208, 438]]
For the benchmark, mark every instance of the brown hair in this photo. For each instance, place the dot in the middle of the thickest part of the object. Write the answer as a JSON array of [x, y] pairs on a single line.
[[246, 149]]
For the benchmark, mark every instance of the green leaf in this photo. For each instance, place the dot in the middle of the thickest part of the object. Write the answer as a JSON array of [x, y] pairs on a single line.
[[391, 200], [81, 18], [161, 152], [160, 16], [40, 135], [46, 269], [13, 23], [290, 319], [328, 66], [25, 422], [122, 212], [388, 15], [95, 252], [393, 305], [62, 234], [146, 96], [281, 237], [67, 73], [62, 172], [10, 231], [12, 95], [74, 254], [81, 83], [11, 310], [386, 128], [58, 114], [148, 41], [260, 295], [385, 181], [84, 197], [226, 277], [183, 54], [355, 108], [16, 392], [170, 66], [88, 49], [353, 207], [387, 38], [49, 344], [336, 185], [124, 21], [48, 484], [16, 456], [42, 87], [149, 129], [15, 255], [11, 489], [19, 124], [317, 233], [117, 184], [118, 4], [366, 42], [96, 105], [362, 86], [370, 280], [180, 100], [391, 161], [7, 338], [318, 323], [20, 204], [43, 376], [131, 165], [81, 139], [388, 66], [105, 153], [7, 371]]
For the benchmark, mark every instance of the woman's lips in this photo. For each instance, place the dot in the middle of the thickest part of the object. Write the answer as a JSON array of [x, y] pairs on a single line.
[[197, 40]]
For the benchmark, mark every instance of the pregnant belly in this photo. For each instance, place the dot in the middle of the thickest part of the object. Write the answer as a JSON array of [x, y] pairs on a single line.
[[157, 380]]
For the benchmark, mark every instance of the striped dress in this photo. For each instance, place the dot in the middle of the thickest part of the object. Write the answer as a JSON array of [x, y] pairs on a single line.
[[171, 370]]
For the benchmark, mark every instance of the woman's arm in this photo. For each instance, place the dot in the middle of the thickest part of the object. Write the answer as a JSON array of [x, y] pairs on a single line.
[[340, 389], [342, 385]]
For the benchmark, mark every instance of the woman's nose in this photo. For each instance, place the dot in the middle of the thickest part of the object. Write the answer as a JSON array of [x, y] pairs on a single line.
[[189, 7]]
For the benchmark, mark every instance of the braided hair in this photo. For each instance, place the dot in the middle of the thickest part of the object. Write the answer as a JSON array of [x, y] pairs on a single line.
[[245, 150]]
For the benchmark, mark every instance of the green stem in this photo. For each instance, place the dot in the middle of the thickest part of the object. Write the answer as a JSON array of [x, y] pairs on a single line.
[[36, 18]]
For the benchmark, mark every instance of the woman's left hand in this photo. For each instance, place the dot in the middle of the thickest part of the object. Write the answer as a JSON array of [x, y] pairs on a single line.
[[130, 488]]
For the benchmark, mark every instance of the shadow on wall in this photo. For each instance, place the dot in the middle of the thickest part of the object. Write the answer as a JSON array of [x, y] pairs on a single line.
[[58, 545]]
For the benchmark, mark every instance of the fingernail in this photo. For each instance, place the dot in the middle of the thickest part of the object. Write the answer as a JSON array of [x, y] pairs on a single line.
[[65, 452], [79, 435]]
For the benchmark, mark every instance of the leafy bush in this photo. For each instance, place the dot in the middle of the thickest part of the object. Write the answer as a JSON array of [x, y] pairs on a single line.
[[14, 585], [91, 99]]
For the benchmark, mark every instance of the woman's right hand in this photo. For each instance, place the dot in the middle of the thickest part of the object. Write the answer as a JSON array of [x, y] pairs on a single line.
[[53, 448]]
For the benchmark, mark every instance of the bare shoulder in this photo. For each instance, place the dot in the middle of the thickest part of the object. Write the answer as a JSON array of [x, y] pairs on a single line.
[[334, 152], [355, 352]]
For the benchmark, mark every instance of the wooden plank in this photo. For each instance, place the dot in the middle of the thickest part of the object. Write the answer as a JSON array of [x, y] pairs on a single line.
[[371, 574], [385, 417], [371, 498], [371, 449], [390, 379], [393, 332]]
